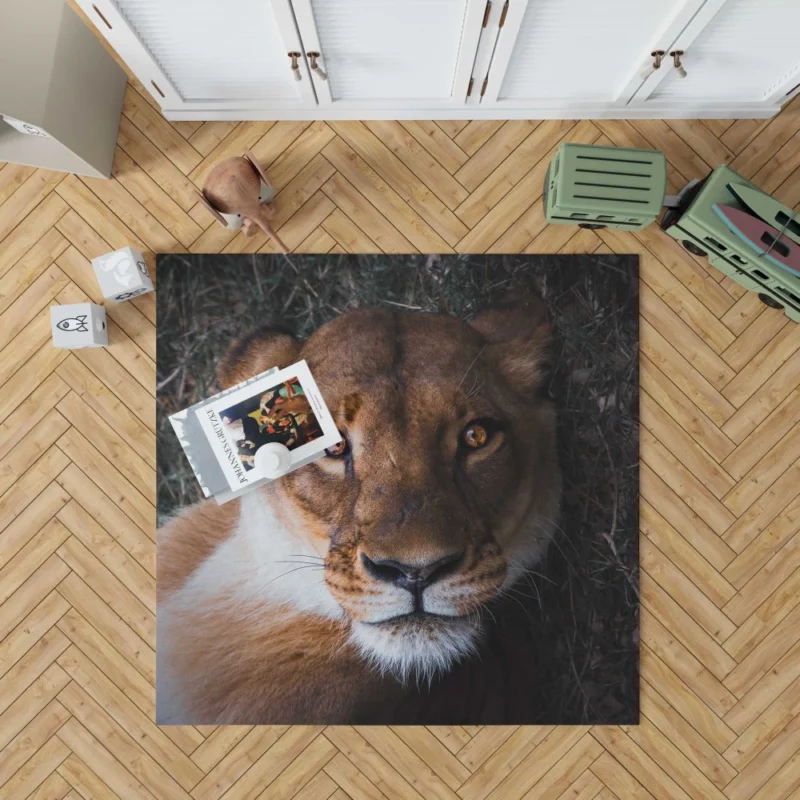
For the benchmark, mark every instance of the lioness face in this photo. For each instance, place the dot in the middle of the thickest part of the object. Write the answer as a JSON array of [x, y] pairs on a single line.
[[446, 482]]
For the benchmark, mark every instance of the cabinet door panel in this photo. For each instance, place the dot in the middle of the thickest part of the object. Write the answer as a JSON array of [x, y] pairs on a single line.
[[749, 51], [232, 54], [390, 52], [574, 51]]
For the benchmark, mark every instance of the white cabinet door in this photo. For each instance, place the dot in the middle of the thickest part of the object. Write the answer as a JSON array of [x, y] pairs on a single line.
[[553, 54], [391, 53], [206, 53], [735, 51]]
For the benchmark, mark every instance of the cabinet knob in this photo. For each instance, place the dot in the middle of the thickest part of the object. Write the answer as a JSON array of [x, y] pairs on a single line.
[[312, 57], [676, 60], [295, 66], [657, 55]]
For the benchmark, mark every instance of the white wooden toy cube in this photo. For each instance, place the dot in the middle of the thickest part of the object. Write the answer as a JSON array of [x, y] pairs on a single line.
[[122, 274], [78, 325]]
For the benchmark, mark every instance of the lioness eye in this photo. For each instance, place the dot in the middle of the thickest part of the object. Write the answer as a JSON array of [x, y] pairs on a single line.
[[475, 436], [338, 450]]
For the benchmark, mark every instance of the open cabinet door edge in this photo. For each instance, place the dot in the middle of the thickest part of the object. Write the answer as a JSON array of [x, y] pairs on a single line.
[[288, 29], [310, 43], [503, 50], [682, 39], [470, 34], [115, 29]]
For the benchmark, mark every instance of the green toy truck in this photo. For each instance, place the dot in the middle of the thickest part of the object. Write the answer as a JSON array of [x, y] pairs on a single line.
[[700, 230], [613, 187]]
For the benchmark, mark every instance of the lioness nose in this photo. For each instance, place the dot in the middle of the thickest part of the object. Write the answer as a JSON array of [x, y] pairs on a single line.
[[413, 577]]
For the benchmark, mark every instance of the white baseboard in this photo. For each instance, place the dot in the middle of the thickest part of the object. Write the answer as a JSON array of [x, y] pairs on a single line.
[[651, 111]]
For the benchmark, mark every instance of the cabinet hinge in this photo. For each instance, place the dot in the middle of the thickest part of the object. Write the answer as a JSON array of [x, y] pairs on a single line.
[[503, 15], [487, 12], [483, 88], [469, 88]]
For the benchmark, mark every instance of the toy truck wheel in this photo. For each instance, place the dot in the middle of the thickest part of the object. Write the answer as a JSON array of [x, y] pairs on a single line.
[[592, 226], [693, 248], [769, 301]]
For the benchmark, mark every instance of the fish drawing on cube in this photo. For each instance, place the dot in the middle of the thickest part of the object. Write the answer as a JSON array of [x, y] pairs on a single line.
[[78, 325], [122, 275]]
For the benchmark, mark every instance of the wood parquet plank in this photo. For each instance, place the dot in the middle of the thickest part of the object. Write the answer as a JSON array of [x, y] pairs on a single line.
[[12, 176], [720, 513]]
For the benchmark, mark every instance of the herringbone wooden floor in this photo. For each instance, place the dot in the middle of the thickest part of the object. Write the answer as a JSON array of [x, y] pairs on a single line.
[[720, 471]]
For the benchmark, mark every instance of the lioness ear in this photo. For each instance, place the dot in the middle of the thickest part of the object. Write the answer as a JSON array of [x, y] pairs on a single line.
[[264, 348], [517, 334]]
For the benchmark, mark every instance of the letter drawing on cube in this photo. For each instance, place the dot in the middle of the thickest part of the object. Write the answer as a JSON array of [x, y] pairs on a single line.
[[122, 274], [78, 325]]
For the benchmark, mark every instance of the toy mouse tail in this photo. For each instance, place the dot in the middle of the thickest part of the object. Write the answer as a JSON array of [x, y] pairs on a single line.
[[271, 233]]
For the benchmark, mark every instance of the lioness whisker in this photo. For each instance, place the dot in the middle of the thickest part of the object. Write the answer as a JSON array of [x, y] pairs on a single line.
[[556, 527], [480, 352], [489, 612], [507, 593], [558, 546], [537, 574], [289, 572], [537, 596], [309, 560]]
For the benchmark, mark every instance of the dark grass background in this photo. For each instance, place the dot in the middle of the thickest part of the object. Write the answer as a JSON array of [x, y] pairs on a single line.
[[565, 648]]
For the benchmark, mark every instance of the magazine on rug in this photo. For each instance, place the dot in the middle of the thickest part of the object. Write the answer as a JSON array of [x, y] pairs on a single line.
[[222, 434]]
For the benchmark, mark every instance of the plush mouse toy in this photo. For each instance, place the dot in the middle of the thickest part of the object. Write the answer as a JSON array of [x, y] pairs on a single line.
[[235, 189]]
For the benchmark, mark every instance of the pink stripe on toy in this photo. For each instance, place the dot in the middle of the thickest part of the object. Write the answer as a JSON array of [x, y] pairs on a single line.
[[764, 239]]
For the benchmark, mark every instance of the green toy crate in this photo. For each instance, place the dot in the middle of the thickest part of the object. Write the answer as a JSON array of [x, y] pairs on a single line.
[[695, 224], [605, 187]]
